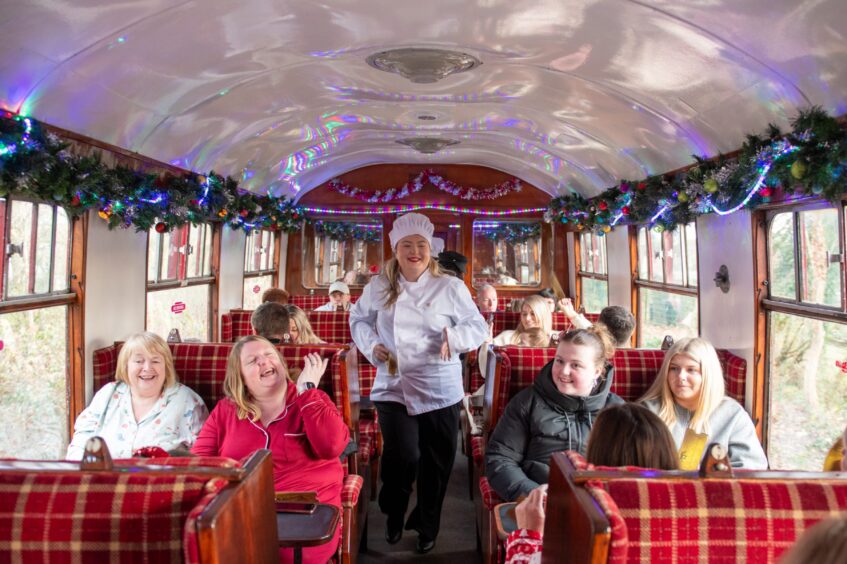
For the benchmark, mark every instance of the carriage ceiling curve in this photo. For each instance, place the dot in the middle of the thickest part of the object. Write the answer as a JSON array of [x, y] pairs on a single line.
[[569, 95]]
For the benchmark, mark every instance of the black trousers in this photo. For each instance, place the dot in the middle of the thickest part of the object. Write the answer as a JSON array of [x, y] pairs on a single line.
[[422, 446]]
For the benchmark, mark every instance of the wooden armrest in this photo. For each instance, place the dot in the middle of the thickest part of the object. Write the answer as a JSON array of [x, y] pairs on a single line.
[[304, 497]]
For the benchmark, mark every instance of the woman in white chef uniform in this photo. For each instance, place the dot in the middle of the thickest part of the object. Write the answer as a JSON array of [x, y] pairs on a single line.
[[412, 322]]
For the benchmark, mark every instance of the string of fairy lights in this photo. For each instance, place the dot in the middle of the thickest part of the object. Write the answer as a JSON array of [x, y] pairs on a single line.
[[809, 160]]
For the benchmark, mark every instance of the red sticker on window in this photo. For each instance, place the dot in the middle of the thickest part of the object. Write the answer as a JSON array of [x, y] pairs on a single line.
[[841, 365], [256, 289], [178, 307], [1, 344]]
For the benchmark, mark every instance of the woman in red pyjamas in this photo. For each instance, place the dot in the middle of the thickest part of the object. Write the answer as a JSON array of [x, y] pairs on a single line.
[[301, 426]]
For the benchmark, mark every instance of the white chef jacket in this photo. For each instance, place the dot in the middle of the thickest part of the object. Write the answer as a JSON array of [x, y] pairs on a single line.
[[411, 330], [330, 306]]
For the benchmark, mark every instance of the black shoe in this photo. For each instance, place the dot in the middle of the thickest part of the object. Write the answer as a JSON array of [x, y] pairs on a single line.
[[393, 533], [424, 544]]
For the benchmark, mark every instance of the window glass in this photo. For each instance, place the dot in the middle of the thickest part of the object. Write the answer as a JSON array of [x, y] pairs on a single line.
[[691, 252], [674, 257], [595, 294], [593, 253], [43, 247], [818, 244], [506, 253], [665, 313], [254, 287], [193, 252], [185, 309], [781, 260], [20, 237], [806, 392], [342, 250], [61, 279], [657, 253], [643, 264], [154, 245], [33, 384]]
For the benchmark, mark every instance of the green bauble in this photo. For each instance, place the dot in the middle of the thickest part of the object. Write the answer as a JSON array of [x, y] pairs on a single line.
[[682, 197], [798, 169], [710, 186]]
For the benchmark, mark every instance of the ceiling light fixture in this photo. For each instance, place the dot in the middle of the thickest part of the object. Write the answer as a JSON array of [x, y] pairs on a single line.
[[423, 65], [427, 145]]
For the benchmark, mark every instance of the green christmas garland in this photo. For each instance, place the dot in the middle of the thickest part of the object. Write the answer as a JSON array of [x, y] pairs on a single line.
[[344, 231], [512, 232], [37, 164]]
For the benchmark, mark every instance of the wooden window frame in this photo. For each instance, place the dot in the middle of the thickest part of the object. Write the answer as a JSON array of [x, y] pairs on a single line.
[[581, 273], [638, 283], [212, 279], [764, 304], [73, 298], [544, 239]]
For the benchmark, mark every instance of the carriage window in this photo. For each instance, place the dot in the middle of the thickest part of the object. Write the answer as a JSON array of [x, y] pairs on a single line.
[[34, 347], [259, 266], [341, 250], [179, 282], [506, 253], [592, 274], [806, 336], [667, 284]]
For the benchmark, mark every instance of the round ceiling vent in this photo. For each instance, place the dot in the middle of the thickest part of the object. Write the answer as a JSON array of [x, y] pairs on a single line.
[[423, 65], [427, 117], [427, 145]]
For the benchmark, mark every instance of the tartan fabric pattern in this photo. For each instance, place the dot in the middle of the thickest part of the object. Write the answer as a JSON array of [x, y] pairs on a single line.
[[368, 431], [478, 450], [351, 489], [96, 517], [331, 326], [181, 461], [367, 374], [489, 497], [520, 366], [619, 542], [236, 324], [310, 302], [720, 520], [635, 371], [190, 540], [735, 374]]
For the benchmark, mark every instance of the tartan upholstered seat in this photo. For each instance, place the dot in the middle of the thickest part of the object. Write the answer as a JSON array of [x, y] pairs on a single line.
[[236, 324], [55, 512], [329, 326], [654, 516], [310, 302]]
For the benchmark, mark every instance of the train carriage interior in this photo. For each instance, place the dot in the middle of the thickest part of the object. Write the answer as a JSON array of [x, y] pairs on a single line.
[[163, 164]]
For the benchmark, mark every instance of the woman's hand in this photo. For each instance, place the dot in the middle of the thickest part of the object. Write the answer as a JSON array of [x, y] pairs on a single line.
[[313, 368], [445, 346], [381, 353], [567, 307], [530, 513]]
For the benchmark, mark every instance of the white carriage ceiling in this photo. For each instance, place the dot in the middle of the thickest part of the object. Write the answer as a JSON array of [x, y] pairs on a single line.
[[569, 95]]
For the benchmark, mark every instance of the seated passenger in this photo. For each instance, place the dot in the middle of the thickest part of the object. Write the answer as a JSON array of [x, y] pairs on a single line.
[[486, 299], [555, 413], [688, 395], [270, 320], [534, 315], [453, 263], [823, 543], [623, 435], [300, 425], [550, 299], [277, 295], [339, 298], [144, 407], [299, 328], [618, 320]]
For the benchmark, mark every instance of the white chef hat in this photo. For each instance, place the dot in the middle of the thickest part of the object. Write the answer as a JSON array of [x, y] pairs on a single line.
[[437, 246], [411, 224]]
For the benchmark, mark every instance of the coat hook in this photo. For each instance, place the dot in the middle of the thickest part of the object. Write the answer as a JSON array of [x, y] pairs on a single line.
[[722, 278]]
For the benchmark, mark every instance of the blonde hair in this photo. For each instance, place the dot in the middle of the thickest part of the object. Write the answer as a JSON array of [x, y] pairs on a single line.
[[301, 320], [712, 390], [538, 306], [596, 336], [391, 273], [234, 387], [152, 344]]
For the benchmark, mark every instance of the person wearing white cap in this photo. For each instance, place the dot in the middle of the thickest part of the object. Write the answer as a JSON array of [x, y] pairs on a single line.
[[412, 322], [339, 298]]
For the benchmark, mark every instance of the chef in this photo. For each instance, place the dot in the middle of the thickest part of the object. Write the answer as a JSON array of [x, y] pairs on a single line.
[[412, 322]]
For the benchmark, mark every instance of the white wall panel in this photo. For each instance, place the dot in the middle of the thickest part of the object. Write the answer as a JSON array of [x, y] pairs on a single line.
[[617, 252]]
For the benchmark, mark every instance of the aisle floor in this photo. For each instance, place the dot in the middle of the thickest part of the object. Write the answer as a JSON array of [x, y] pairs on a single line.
[[457, 540]]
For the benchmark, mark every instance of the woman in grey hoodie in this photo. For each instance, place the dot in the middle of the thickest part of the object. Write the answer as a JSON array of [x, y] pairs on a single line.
[[554, 414], [688, 395]]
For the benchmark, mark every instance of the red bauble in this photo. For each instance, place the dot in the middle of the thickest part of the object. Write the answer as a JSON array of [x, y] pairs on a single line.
[[642, 185], [625, 210], [603, 205], [243, 213], [161, 227], [75, 201], [765, 191]]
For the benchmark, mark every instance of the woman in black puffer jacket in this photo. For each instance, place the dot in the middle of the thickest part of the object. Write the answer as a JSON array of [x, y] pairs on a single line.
[[554, 414]]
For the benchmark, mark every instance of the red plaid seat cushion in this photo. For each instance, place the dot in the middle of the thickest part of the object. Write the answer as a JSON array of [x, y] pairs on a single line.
[[519, 368], [331, 326], [725, 520], [351, 489], [236, 324], [489, 497], [506, 320], [368, 431], [98, 517], [310, 302]]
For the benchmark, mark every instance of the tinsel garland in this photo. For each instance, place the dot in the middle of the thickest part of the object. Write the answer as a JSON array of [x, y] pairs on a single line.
[[810, 160], [512, 232], [37, 164], [344, 231], [417, 183]]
